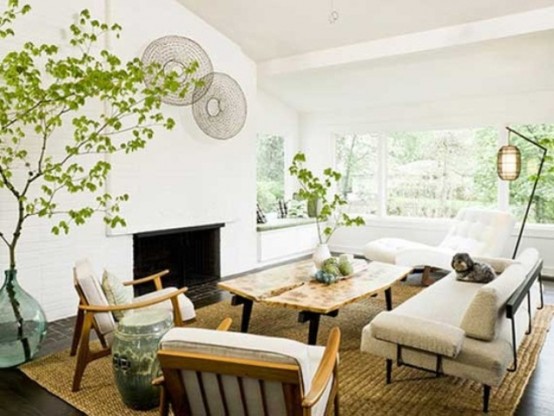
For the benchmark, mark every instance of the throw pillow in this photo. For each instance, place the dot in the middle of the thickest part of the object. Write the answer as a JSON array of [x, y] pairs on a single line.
[[116, 293], [260, 216], [283, 209]]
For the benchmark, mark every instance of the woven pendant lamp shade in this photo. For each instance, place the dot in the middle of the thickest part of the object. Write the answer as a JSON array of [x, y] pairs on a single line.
[[508, 163]]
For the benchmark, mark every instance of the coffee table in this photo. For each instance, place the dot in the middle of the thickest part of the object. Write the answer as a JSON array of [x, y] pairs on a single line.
[[291, 287]]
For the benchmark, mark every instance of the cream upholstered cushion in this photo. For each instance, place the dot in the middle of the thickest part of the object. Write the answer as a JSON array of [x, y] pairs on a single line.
[[116, 293], [245, 346], [185, 305], [481, 317], [385, 249], [418, 333], [94, 295]]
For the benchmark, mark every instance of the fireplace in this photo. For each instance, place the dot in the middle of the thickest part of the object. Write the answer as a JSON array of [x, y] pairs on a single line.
[[191, 254]]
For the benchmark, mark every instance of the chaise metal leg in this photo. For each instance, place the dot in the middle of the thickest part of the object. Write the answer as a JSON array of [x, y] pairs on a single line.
[[486, 396]]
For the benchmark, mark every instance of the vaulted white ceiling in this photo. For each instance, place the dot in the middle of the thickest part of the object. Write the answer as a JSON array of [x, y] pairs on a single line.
[[268, 29], [390, 52]]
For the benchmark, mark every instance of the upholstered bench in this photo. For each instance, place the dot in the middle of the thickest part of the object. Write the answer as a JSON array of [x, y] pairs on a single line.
[[462, 329]]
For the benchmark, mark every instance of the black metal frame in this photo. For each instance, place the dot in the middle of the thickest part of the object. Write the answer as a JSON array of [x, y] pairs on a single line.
[[515, 301], [512, 306], [544, 150]]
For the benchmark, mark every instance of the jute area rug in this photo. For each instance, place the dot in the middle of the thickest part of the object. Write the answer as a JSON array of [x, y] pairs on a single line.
[[362, 376]]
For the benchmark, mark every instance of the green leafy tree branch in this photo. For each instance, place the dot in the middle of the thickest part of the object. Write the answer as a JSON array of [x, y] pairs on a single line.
[[46, 96], [312, 188]]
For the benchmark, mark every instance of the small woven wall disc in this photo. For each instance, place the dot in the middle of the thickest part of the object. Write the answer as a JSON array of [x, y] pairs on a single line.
[[220, 108]]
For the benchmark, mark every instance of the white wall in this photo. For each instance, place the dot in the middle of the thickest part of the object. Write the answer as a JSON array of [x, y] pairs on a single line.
[[316, 140], [183, 178], [276, 117]]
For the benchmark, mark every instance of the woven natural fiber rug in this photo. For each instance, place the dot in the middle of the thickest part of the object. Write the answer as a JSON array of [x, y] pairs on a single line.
[[362, 376]]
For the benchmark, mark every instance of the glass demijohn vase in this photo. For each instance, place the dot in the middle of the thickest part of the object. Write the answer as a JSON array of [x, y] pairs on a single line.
[[22, 323]]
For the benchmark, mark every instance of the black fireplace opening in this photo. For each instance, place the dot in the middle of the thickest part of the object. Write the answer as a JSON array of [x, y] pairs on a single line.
[[191, 254]]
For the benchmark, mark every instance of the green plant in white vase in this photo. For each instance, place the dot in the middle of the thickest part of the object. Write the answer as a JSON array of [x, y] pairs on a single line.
[[61, 113], [329, 216]]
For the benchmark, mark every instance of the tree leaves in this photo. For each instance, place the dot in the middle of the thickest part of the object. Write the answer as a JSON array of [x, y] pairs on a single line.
[[317, 189], [46, 99]]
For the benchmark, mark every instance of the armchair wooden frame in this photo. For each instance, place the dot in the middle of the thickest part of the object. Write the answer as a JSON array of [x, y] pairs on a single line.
[[298, 403], [85, 321]]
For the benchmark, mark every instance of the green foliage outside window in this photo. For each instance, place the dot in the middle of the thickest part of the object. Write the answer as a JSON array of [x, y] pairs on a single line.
[[270, 171], [542, 209]]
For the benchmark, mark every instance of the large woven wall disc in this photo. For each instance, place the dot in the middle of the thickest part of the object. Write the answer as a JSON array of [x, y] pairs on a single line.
[[176, 54], [220, 109]]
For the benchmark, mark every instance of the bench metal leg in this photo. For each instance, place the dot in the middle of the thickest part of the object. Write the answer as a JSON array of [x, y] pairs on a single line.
[[486, 396], [389, 371]]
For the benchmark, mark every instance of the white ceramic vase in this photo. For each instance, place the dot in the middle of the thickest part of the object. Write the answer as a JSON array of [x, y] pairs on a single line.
[[321, 254]]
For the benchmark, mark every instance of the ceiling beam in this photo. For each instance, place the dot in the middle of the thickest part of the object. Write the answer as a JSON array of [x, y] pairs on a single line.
[[484, 30]]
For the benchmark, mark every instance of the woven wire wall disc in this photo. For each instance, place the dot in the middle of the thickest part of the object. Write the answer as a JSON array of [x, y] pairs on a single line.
[[176, 54], [220, 109]]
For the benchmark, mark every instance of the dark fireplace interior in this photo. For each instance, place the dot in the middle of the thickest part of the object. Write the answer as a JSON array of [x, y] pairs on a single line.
[[192, 256]]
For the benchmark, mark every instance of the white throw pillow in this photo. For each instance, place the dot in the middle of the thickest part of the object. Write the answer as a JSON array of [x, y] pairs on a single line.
[[116, 292]]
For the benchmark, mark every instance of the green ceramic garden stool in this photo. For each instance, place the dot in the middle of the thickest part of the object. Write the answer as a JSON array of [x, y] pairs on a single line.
[[134, 359]]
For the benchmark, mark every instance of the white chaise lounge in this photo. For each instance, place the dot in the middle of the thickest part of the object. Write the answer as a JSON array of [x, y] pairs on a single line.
[[463, 329], [479, 232]]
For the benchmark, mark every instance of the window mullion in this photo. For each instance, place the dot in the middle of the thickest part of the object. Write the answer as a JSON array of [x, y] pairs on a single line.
[[382, 177]]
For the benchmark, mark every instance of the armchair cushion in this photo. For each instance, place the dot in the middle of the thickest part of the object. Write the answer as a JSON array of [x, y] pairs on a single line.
[[185, 305], [116, 293], [93, 293], [247, 346], [419, 333]]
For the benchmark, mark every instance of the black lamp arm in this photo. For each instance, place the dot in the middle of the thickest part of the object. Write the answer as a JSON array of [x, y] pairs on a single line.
[[544, 150]]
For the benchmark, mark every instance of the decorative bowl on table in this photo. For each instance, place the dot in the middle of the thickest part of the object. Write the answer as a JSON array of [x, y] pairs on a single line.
[[334, 269]]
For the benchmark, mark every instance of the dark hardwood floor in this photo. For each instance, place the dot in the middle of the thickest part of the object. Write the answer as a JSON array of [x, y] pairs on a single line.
[[20, 396]]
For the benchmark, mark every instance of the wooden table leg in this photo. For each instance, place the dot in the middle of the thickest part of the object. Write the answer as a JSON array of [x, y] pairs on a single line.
[[246, 310], [388, 298], [313, 318]]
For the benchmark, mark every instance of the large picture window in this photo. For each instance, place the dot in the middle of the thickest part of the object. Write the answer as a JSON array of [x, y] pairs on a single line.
[[270, 171], [356, 159], [434, 174], [542, 209]]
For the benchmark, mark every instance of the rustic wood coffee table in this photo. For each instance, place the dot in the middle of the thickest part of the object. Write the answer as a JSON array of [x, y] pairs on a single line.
[[291, 287]]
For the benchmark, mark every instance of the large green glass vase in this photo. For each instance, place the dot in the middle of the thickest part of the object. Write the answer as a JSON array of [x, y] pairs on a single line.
[[22, 323]]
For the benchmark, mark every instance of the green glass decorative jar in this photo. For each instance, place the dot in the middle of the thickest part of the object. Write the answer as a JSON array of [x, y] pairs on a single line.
[[134, 356], [22, 323]]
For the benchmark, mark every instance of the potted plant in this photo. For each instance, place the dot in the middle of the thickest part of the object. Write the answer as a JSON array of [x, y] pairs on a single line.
[[52, 144], [329, 216]]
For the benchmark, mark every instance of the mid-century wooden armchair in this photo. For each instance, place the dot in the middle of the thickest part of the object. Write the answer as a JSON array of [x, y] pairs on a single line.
[[211, 373], [94, 313]]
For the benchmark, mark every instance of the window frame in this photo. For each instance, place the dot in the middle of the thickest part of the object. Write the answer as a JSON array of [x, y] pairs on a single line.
[[384, 220]]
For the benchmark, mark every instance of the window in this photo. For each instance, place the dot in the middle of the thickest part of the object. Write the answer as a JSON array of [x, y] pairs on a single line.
[[542, 209], [270, 171], [356, 159], [436, 173]]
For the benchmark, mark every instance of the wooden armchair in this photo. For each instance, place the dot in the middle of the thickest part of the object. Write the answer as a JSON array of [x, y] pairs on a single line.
[[94, 313], [210, 373]]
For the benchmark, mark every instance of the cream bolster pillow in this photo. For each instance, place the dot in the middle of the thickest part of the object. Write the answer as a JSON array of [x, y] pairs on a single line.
[[422, 334]]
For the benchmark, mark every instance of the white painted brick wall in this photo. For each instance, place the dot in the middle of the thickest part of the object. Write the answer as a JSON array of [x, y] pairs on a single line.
[[183, 178]]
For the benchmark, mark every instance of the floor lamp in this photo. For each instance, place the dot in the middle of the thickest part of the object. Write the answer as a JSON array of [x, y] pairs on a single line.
[[509, 167]]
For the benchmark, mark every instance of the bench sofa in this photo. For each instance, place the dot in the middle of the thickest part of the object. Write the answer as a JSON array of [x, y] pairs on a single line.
[[462, 329]]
